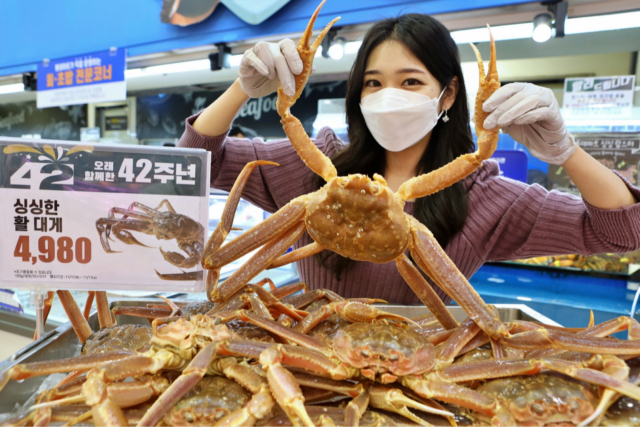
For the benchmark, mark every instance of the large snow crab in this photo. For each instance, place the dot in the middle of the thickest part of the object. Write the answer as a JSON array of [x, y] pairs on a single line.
[[362, 219]]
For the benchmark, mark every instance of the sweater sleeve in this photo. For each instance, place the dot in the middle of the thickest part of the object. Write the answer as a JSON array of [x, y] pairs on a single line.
[[269, 187], [511, 220]]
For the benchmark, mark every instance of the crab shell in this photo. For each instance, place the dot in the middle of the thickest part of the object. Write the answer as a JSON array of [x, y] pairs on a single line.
[[384, 349], [359, 218], [544, 399], [188, 334], [211, 399]]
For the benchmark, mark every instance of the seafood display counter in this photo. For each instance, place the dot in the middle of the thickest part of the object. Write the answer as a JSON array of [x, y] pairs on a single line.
[[63, 342], [565, 294]]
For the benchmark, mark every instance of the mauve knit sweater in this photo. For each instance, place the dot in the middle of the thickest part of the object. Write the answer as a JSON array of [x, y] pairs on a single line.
[[507, 219]]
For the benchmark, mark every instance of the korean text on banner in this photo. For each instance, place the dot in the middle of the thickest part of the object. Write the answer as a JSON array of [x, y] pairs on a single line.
[[82, 79], [599, 95], [102, 217]]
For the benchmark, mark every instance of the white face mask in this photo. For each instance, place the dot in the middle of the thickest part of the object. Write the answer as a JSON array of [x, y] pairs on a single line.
[[397, 118]]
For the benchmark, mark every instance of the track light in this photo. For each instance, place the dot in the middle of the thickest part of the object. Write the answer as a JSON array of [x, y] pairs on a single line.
[[336, 50], [550, 24], [220, 59], [542, 27], [333, 46]]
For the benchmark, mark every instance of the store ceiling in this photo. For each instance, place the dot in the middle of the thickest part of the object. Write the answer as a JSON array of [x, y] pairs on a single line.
[[606, 42]]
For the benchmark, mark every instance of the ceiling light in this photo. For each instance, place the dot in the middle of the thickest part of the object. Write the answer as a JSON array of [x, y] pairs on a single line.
[[332, 46], [542, 27], [336, 51], [234, 60], [178, 67], [617, 21], [12, 88], [352, 47], [500, 32]]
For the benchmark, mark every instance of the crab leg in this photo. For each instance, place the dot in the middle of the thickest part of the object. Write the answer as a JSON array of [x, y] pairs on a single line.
[[424, 291], [80, 363], [262, 233], [186, 276], [456, 342], [458, 395], [350, 310], [489, 369], [300, 301], [547, 338], [119, 227], [189, 378], [214, 256], [296, 255], [88, 304], [261, 403], [80, 325], [464, 165], [179, 260], [226, 221], [602, 330], [287, 290], [394, 400], [258, 262], [451, 281], [150, 210], [146, 312], [308, 152], [284, 387], [104, 314], [272, 302]]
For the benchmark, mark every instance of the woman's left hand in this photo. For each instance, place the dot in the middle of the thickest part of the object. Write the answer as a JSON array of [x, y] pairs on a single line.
[[530, 115]]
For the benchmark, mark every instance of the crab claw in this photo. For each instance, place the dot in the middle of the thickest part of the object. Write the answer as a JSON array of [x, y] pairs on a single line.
[[304, 43], [489, 83], [306, 52], [184, 276]]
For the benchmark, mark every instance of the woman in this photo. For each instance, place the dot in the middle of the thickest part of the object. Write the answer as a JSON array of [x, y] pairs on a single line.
[[404, 63]]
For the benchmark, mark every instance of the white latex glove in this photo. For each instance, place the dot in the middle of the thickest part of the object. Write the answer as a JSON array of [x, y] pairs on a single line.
[[266, 65], [530, 114]]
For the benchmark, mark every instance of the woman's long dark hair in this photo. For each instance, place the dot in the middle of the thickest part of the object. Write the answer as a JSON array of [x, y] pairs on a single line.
[[444, 212]]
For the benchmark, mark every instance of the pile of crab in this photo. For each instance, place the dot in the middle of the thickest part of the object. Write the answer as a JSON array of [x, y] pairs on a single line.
[[251, 356], [314, 358]]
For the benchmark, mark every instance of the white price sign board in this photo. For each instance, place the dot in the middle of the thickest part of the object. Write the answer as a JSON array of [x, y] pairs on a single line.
[[102, 217], [603, 95]]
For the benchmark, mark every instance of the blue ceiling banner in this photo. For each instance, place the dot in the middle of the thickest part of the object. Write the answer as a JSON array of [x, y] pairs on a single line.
[[76, 27], [82, 79]]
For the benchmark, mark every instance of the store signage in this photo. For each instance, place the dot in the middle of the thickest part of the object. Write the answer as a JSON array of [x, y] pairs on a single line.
[[116, 123], [606, 95], [96, 217], [90, 134], [618, 152], [82, 79]]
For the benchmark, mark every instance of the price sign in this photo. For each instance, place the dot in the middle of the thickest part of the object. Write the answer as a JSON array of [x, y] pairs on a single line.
[[102, 217]]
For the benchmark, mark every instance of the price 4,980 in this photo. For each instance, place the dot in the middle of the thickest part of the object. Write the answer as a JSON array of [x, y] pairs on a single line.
[[63, 249]]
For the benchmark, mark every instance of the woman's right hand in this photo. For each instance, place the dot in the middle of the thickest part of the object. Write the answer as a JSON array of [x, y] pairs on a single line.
[[267, 65]]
